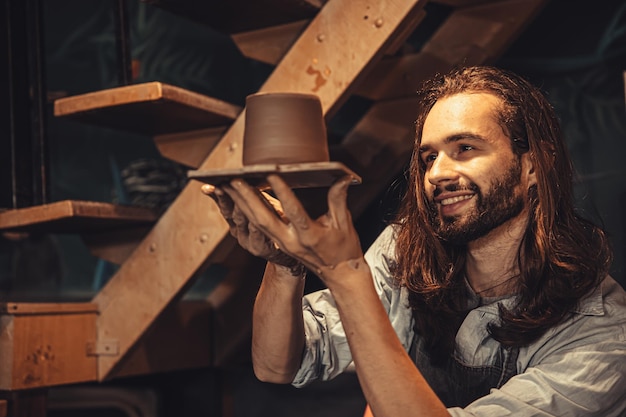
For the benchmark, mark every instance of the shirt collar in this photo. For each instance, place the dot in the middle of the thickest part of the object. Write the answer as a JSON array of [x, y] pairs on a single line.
[[591, 305]]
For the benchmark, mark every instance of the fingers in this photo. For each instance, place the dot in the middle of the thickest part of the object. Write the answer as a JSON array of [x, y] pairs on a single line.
[[208, 189], [225, 204], [240, 222], [292, 207], [256, 208], [338, 201]]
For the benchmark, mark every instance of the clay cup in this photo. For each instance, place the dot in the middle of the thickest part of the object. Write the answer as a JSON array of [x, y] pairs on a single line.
[[284, 128]]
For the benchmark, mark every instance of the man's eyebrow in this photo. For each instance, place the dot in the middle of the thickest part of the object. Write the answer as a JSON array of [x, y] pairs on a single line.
[[456, 138]]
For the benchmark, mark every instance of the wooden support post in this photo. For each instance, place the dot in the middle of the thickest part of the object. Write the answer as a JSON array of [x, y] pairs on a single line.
[[326, 59]]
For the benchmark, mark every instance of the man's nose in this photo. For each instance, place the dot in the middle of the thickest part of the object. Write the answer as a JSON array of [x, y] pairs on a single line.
[[442, 170]]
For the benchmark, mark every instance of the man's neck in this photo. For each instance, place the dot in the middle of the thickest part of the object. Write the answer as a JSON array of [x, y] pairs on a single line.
[[491, 267]]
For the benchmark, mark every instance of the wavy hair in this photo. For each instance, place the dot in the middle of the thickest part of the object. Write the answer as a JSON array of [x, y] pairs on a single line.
[[562, 256]]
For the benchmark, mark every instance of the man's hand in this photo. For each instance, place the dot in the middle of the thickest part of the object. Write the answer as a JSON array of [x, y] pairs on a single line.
[[319, 244], [247, 234]]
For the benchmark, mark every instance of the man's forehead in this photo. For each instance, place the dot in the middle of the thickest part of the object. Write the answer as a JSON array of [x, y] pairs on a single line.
[[464, 115]]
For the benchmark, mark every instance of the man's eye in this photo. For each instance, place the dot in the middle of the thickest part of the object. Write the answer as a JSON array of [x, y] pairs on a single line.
[[465, 148], [430, 157]]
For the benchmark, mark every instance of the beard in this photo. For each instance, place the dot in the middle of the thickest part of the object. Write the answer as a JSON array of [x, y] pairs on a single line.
[[502, 203]]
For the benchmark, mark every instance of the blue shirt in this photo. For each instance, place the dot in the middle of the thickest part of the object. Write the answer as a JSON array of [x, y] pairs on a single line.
[[577, 368]]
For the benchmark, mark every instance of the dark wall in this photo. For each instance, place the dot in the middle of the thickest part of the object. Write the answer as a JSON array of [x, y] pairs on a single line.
[[576, 52]]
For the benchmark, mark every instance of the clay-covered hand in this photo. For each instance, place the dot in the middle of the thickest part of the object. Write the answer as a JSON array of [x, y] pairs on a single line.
[[247, 234], [319, 244]]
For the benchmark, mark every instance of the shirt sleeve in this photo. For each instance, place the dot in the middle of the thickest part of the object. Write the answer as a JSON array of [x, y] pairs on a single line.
[[326, 352]]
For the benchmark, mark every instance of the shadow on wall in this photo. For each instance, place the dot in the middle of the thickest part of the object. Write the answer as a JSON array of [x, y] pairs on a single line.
[[580, 64]]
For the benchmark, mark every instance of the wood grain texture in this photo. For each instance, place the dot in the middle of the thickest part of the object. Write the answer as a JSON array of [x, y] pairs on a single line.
[[44, 344], [192, 228], [149, 108], [472, 35], [74, 216]]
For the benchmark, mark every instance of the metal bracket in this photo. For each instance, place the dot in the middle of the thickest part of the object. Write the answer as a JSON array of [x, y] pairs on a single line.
[[103, 348]]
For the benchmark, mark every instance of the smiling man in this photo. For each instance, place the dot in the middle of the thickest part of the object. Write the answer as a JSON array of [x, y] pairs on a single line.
[[488, 295]]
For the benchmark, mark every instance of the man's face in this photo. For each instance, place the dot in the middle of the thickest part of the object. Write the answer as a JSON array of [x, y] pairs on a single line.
[[473, 181]]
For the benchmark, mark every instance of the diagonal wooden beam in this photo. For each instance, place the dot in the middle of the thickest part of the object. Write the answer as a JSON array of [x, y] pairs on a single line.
[[472, 35], [339, 45]]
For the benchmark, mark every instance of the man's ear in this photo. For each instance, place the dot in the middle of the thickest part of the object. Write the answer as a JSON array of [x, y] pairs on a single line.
[[528, 169]]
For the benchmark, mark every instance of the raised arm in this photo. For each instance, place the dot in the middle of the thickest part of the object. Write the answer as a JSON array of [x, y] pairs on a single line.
[[329, 246], [277, 327]]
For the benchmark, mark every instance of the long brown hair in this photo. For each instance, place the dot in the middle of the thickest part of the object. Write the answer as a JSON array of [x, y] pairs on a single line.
[[562, 256]]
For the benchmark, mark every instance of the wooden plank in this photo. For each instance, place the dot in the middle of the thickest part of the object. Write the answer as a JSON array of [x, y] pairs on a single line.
[[270, 44], [74, 216], [236, 16], [44, 345], [22, 309], [211, 331], [189, 148], [379, 145], [150, 109], [114, 245], [480, 34], [400, 76], [189, 323], [470, 36], [192, 228]]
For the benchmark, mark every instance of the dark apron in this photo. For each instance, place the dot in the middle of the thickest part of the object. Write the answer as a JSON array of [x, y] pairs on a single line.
[[457, 384]]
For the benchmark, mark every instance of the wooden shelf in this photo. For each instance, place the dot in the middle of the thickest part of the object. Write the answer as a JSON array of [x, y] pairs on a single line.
[[235, 16], [150, 109], [74, 216]]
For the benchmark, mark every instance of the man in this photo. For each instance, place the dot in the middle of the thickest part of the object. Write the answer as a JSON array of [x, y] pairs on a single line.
[[488, 296]]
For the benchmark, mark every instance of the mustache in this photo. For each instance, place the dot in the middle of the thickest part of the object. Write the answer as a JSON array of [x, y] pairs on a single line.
[[456, 187]]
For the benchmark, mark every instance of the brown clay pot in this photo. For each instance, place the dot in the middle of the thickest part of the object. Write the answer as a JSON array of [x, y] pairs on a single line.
[[284, 128]]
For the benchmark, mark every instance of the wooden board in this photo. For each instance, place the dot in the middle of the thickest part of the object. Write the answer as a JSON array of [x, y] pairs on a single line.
[[192, 228], [470, 36], [189, 323], [25, 309], [150, 108], [189, 148], [480, 34], [43, 345], [270, 44], [74, 216], [309, 175]]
